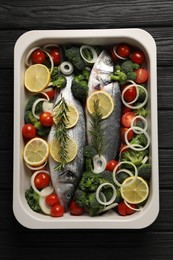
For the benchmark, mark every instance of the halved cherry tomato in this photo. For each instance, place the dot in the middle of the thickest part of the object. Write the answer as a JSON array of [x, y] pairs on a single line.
[[123, 50], [126, 118], [141, 75], [55, 54], [46, 119], [38, 56], [75, 209], [130, 93], [52, 199], [57, 210], [129, 135], [111, 165], [41, 180], [124, 210], [114, 57], [138, 57], [28, 131]]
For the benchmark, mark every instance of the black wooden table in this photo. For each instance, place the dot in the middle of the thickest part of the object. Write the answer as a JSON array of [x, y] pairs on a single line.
[[153, 242]]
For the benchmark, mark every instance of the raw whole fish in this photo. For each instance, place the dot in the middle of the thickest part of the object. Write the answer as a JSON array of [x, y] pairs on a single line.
[[66, 180], [100, 80]]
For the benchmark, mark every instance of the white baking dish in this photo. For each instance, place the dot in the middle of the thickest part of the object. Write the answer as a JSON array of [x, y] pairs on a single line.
[[21, 180]]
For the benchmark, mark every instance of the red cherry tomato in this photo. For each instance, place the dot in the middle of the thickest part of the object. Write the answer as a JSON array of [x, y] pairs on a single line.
[[141, 76], [111, 165], [114, 57], [75, 209], [28, 131], [52, 199], [130, 93], [38, 56], [123, 50], [129, 135], [50, 92], [41, 180], [138, 57], [55, 54], [125, 109], [46, 119], [126, 118], [122, 148], [124, 210], [57, 210]]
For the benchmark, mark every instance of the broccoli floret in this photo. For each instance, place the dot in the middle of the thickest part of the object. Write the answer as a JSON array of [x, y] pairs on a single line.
[[86, 74], [119, 76], [31, 101], [89, 151], [80, 198], [131, 75], [89, 182], [141, 111], [144, 171], [142, 95], [32, 199], [60, 82], [139, 139], [42, 131], [29, 118], [73, 55], [93, 207], [55, 74], [121, 176], [128, 66], [79, 88], [134, 157], [106, 176]]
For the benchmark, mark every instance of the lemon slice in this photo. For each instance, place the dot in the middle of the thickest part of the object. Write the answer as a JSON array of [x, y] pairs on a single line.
[[72, 114], [36, 151], [136, 192], [71, 150], [37, 77], [105, 102]]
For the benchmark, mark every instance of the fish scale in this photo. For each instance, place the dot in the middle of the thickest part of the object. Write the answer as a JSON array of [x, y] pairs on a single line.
[[66, 180]]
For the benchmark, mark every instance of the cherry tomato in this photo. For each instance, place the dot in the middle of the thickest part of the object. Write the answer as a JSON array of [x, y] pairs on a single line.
[[57, 210], [114, 57], [138, 57], [55, 54], [141, 76], [123, 50], [125, 109], [129, 135], [75, 209], [41, 180], [28, 131], [52, 199], [130, 93], [122, 149], [50, 92], [124, 210], [126, 118], [111, 165], [38, 56], [46, 119]]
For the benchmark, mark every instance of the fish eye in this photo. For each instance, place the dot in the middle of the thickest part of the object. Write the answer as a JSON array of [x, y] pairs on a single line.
[[68, 196]]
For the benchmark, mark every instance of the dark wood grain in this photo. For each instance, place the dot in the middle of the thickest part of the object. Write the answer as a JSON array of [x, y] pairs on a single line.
[[154, 242]]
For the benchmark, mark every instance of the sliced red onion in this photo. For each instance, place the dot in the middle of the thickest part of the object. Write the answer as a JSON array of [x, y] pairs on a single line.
[[99, 163], [94, 53], [113, 196]]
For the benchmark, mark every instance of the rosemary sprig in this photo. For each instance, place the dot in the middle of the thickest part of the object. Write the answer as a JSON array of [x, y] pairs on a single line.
[[61, 132], [97, 130]]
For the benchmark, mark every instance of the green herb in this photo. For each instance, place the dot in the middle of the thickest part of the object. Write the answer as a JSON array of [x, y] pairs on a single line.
[[97, 130], [61, 132]]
